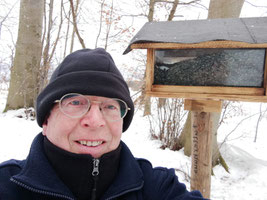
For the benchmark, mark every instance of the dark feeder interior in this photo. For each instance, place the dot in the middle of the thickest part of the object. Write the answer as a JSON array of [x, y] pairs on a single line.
[[210, 67]]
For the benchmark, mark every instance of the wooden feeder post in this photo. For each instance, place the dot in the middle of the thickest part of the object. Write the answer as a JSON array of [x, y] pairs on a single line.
[[201, 148]]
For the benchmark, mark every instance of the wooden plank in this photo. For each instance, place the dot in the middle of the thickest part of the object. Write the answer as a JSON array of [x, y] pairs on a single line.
[[265, 73], [201, 152], [203, 105], [208, 90], [150, 69], [208, 44], [247, 98]]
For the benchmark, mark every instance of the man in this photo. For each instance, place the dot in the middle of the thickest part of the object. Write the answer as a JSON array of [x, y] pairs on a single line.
[[79, 155]]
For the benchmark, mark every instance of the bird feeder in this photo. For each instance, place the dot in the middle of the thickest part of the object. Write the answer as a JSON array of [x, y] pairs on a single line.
[[205, 62]]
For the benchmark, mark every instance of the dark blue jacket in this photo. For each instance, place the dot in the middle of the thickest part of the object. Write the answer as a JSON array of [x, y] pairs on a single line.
[[34, 178]]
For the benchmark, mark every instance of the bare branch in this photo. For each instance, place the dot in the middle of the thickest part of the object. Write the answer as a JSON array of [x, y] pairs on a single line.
[[100, 24], [109, 25], [174, 6], [255, 5], [238, 124], [58, 33], [75, 24], [6, 16], [67, 32]]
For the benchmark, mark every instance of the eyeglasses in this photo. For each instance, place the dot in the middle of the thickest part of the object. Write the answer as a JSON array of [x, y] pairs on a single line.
[[76, 105]]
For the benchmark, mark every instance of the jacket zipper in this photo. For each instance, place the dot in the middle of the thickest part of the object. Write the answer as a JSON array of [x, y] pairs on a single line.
[[40, 191], [95, 174]]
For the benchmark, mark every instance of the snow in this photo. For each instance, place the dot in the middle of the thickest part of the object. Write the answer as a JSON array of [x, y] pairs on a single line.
[[246, 159]]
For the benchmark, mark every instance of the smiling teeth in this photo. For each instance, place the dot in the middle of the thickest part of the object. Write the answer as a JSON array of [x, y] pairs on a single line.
[[91, 144]]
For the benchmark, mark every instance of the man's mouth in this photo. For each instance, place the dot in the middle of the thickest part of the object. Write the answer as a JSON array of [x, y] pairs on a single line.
[[90, 143]]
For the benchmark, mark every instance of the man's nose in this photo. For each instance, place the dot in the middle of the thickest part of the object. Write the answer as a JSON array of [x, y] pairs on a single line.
[[93, 118]]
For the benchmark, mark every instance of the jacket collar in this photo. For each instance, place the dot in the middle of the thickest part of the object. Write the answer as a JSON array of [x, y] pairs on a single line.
[[38, 175], [130, 175], [76, 170]]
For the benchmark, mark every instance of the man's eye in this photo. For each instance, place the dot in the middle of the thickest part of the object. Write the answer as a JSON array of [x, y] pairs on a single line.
[[75, 103], [111, 107]]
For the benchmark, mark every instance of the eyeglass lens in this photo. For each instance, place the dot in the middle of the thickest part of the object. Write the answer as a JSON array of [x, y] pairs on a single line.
[[76, 105]]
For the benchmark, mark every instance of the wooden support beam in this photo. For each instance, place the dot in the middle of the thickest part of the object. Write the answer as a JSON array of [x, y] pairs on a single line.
[[201, 138], [247, 98], [150, 69], [245, 91], [203, 105], [201, 152], [265, 74]]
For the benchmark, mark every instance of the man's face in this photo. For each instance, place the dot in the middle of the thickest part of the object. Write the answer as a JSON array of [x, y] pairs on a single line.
[[90, 134]]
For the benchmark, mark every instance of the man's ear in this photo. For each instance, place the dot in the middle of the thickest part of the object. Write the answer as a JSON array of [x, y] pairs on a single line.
[[44, 126], [45, 123]]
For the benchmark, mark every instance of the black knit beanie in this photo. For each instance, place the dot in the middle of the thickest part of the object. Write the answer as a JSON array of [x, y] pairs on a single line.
[[88, 72]]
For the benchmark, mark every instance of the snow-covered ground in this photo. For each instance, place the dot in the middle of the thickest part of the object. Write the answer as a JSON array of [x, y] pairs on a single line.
[[246, 159]]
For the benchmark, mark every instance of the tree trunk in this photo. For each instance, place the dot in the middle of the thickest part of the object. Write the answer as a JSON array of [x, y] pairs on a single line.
[[151, 10], [147, 106], [184, 139], [217, 9], [24, 80], [222, 9], [225, 8]]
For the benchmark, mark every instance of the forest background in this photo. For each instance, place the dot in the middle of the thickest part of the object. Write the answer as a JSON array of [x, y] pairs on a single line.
[[61, 27]]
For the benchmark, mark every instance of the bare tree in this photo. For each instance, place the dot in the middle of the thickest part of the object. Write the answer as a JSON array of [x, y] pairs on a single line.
[[6, 26], [45, 66], [50, 44], [24, 74], [109, 24], [67, 32], [100, 22], [74, 12]]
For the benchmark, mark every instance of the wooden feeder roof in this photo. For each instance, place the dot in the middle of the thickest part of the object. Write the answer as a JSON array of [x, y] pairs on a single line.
[[248, 30]]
